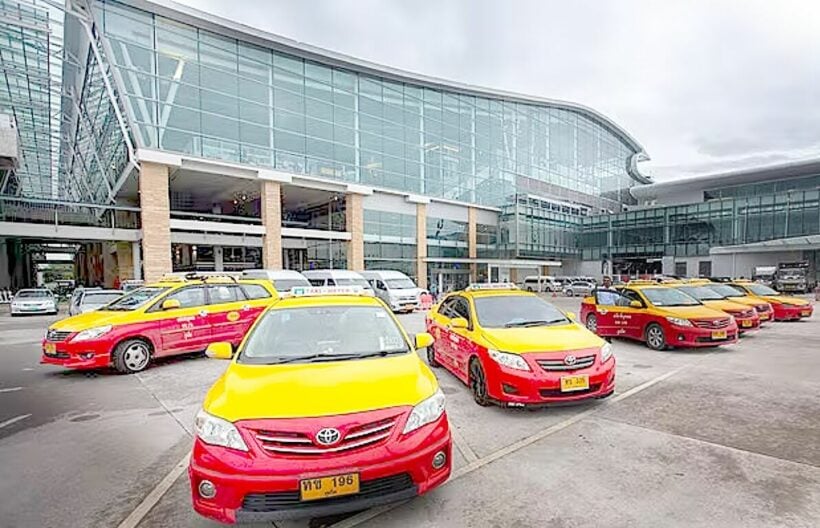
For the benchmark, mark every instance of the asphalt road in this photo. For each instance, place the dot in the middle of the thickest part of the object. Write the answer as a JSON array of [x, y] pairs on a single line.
[[726, 437]]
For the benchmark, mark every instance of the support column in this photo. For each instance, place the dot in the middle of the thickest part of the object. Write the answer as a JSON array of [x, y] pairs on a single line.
[[354, 215], [136, 259], [421, 245], [271, 205], [110, 272], [472, 250], [155, 215], [219, 262], [125, 261]]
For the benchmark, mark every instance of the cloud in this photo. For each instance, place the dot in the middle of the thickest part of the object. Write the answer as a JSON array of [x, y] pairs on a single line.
[[723, 83]]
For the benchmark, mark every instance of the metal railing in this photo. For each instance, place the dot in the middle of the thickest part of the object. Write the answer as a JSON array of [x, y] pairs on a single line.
[[56, 212]]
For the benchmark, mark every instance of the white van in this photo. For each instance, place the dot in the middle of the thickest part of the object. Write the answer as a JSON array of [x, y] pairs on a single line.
[[395, 288], [283, 280], [336, 277], [535, 283]]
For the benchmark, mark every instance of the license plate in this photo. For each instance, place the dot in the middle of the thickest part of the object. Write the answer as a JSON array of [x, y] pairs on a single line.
[[574, 383], [805, 313], [764, 317], [50, 348], [324, 487], [719, 334], [746, 324]]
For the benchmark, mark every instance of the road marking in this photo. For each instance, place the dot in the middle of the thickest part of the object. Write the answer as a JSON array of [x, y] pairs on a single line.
[[151, 500], [11, 389], [14, 420], [462, 446], [365, 516]]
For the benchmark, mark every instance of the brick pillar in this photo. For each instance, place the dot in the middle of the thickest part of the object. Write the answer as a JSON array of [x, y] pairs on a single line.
[[155, 215], [125, 261], [472, 251], [514, 275], [354, 214], [271, 205], [421, 245], [109, 251]]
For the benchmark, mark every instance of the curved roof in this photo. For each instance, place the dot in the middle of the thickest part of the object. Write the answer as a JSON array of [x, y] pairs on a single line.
[[229, 28]]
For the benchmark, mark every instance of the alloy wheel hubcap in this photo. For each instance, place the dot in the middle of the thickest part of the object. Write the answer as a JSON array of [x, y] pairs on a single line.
[[592, 323], [136, 356], [655, 337]]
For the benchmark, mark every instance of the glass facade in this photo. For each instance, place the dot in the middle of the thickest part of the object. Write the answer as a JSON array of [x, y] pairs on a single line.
[[390, 241]]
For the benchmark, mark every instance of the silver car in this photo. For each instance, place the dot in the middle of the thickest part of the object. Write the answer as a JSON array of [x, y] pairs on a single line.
[[576, 288], [92, 299], [39, 301]]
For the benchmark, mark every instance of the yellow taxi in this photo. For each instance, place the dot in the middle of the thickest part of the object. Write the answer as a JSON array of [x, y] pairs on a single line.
[[513, 348], [746, 317], [657, 314], [763, 308], [326, 408], [178, 315], [785, 307]]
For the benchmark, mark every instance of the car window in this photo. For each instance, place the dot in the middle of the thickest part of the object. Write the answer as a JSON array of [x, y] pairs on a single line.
[[135, 299], [100, 298], [605, 297], [255, 291], [188, 297], [33, 294], [507, 311], [627, 296], [225, 293], [317, 282], [446, 308], [664, 296], [462, 308]]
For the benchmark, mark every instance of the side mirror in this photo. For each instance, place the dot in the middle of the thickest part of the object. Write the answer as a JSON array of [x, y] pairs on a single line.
[[423, 340], [458, 322], [219, 351], [570, 316], [635, 304], [171, 304]]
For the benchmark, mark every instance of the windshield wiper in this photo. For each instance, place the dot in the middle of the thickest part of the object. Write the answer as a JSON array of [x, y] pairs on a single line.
[[534, 322], [316, 358], [383, 353]]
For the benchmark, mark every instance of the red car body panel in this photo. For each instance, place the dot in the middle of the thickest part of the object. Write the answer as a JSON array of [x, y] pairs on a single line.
[[787, 312], [240, 477]]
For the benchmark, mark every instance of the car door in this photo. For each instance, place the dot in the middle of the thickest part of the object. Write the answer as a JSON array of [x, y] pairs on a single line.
[[462, 340], [441, 331], [187, 328], [632, 319], [229, 313], [606, 304]]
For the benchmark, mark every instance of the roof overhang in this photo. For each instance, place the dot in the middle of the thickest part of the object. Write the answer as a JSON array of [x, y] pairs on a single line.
[[811, 242], [507, 263]]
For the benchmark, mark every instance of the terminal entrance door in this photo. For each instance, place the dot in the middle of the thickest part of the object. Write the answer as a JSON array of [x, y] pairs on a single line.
[[443, 280], [294, 259]]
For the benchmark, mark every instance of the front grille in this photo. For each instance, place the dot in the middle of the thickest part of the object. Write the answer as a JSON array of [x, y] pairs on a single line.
[[581, 362], [57, 336], [744, 314], [368, 489], [298, 443], [762, 307], [557, 393], [711, 323], [703, 339]]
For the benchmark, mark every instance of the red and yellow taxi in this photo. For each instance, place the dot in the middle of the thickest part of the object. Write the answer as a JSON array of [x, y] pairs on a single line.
[[177, 315], [764, 309], [515, 349], [325, 408], [746, 317], [785, 307], [657, 314]]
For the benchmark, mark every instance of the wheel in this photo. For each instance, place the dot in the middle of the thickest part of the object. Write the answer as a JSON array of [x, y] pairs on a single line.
[[592, 323], [529, 289], [655, 337], [431, 357], [131, 356], [478, 383]]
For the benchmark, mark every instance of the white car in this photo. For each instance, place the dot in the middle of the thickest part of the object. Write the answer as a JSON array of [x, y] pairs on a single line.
[[39, 301], [577, 288], [88, 300]]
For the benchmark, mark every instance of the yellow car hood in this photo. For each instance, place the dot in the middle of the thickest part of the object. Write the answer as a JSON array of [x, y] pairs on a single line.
[[691, 312], [88, 320], [785, 299], [726, 305], [304, 390], [542, 338]]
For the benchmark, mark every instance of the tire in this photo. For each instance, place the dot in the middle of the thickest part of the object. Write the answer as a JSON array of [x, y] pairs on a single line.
[[431, 357], [655, 337], [592, 323], [529, 289], [478, 383], [131, 356]]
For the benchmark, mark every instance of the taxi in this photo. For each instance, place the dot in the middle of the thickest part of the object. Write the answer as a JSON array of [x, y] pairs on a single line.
[[326, 408], [657, 314], [764, 309], [178, 315], [513, 348], [746, 317], [785, 307]]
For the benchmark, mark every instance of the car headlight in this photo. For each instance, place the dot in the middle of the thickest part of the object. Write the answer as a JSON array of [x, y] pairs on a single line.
[[92, 333], [678, 321], [513, 361], [219, 432], [606, 352], [425, 412]]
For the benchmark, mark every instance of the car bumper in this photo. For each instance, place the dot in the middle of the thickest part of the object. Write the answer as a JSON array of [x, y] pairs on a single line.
[[540, 387], [82, 355], [259, 488], [693, 337], [792, 313], [748, 324], [33, 311], [404, 306]]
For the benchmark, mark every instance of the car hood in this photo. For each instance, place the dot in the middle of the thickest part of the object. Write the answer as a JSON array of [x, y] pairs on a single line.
[[691, 312], [748, 301], [570, 336], [785, 299], [726, 306], [88, 320], [250, 392]]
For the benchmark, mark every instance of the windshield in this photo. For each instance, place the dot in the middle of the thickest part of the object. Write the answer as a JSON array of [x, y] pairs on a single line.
[[726, 290], [135, 299], [322, 333], [507, 311], [399, 284], [669, 297], [283, 285], [761, 289], [702, 293], [101, 298], [352, 281], [33, 294]]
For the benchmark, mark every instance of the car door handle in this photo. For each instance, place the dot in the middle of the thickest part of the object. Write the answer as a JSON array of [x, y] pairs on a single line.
[[203, 313]]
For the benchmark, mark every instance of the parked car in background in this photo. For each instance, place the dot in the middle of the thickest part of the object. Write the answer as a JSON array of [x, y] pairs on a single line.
[[87, 300], [336, 277], [395, 288], [282, 280], [132, 284], [541, 283], [35, 301], [579, 288]]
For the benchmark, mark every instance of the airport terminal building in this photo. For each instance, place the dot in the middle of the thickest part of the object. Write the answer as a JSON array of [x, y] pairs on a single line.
[[154, 137]]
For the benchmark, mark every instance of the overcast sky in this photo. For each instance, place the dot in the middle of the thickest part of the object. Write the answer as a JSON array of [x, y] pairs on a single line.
[[705, 86]]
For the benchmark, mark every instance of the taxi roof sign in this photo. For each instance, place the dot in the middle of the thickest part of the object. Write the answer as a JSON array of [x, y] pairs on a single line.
[[491, 286], [643, 282], [320, 291]]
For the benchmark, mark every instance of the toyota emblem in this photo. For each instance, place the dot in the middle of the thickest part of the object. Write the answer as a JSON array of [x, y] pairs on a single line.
[[328, 436], [569, 360]]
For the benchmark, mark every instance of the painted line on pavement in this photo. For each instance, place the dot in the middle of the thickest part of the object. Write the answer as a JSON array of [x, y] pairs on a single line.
[[462, 446], [11, 389], [151, 500], [14, 420], [515, 446]]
